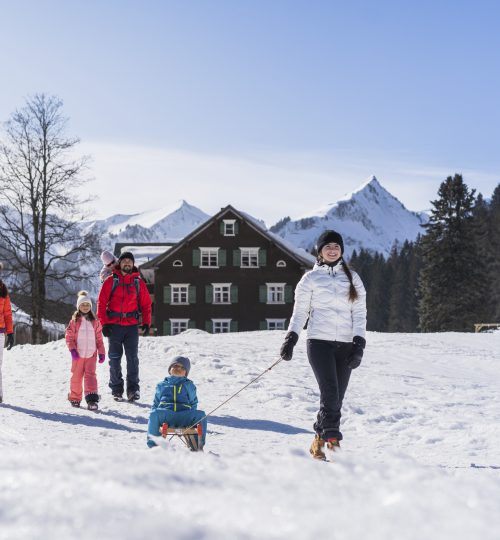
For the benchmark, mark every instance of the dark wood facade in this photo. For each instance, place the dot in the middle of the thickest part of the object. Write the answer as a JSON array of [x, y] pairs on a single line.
[[229, 275]]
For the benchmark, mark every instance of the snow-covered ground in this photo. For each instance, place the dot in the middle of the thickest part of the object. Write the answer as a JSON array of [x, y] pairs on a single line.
[[420, 457]]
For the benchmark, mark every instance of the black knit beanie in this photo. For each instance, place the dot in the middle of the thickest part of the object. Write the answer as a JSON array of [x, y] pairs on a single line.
[[326, 238]]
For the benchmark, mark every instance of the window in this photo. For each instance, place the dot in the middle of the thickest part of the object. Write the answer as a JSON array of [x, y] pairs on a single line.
[[221, 293], [180, 293], [178, 325], [275, 293], [249, 257], [281, 264], [229, 227], [177, 263], [221, 326], [275, 324], [209, 258]]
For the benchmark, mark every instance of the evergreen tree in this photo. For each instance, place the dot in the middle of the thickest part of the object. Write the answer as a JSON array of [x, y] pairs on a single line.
[[449, 282], [377, 301], [494, 267], [484, 258], [415, 266], [403, 315]]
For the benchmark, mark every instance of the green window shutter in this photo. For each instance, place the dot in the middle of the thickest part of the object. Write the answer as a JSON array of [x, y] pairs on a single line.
[[209, 294], [288, 294], [236, 227], [222, 257], [236, 257], [196, 257], [234, 294], [221, 227], [262, 325], [191, 324], [166, 328], [208, 326], [167, 294], [192, 294], [262, 257], [263, 294], [233, 326]]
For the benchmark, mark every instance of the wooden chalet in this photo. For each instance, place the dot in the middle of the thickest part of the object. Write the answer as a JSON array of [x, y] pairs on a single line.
[[228, 275]]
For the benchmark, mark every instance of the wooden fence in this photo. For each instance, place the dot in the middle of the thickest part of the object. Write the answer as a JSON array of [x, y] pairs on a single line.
[[482, 327]]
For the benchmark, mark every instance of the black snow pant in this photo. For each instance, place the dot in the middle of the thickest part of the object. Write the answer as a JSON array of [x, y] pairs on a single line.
[[328, 360], [123, 337]]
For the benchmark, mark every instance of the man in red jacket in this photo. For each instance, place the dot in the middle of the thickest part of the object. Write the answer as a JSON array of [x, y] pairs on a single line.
[[123, 303]]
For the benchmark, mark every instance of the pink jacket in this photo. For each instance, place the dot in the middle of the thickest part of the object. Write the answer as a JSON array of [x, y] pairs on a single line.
[[86, 342]]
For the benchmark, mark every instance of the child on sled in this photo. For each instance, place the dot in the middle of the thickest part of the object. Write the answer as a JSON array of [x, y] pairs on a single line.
[[175, 402], [85, 342]]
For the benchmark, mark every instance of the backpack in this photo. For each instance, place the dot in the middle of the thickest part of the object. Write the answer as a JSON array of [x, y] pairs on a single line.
[[135, 314]]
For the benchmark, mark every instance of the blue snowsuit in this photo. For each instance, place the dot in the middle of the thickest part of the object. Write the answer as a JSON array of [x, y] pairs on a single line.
[[175, 403]]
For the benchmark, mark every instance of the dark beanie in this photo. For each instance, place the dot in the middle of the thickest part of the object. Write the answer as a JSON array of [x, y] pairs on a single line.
[[126, 255], [183, 361], [328, 237]]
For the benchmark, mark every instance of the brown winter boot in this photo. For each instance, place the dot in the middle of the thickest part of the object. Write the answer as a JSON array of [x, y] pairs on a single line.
[[333, 444], [316, 449]]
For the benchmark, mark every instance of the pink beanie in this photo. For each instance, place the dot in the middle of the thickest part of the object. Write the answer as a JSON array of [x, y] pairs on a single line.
[[107, 257]]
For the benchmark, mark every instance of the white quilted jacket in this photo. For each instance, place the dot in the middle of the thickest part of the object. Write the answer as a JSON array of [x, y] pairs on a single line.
[[323, 295]]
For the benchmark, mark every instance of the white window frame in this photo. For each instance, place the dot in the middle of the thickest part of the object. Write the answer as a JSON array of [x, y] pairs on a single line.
[[209, 251], [216, 290], [175, 290], [253, 256], [176, 324], [229, 227], [177, 262], [279, 324], [281, 263], [275, 293], [217, 325]]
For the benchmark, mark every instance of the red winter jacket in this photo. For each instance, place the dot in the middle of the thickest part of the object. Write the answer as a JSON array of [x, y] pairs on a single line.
[[124, 300], [5, 315]]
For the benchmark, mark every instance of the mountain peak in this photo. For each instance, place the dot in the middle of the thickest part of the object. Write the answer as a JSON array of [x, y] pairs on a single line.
[[369, 217], [372, 184]]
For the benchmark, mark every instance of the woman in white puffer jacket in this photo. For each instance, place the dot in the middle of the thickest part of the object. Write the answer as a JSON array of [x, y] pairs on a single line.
[[332, 299]]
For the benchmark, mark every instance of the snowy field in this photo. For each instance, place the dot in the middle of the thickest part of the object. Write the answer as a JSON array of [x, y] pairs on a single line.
[[420, 456]]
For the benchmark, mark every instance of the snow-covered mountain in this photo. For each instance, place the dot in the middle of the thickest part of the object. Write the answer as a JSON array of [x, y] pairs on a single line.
[[165, 224], [369, 218]]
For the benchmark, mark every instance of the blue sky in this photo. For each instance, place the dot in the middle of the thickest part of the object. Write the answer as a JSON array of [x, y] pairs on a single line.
[[276, 107]]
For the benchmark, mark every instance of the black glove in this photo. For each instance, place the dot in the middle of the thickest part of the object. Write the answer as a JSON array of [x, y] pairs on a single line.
[[107, 329], [145, 329], [354, 359], [9, 342], [286, 351]]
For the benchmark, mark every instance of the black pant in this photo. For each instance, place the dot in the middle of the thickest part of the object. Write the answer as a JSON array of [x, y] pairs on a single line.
[[123, 337], [328, 360]]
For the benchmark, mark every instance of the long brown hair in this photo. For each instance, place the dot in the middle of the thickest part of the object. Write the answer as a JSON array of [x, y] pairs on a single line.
[[353, 293], [3, 290]]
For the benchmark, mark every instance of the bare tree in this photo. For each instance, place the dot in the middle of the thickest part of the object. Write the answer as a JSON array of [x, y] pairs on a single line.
[[40, 235]]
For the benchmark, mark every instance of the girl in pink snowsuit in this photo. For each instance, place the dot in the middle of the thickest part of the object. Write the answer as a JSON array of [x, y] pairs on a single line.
[[85, 342]]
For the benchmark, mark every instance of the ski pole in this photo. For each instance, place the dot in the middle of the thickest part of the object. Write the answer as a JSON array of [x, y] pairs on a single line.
[[235, 394]]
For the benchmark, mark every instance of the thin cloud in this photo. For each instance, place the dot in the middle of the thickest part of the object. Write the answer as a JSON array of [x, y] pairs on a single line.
[[134, 178]]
